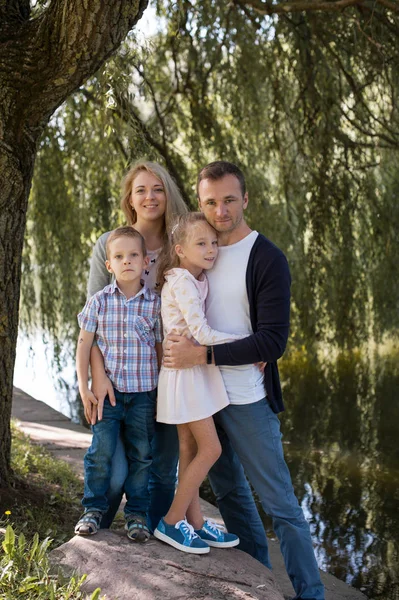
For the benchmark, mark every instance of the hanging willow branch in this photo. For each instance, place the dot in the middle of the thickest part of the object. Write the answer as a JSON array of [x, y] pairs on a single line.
[[267, 8]]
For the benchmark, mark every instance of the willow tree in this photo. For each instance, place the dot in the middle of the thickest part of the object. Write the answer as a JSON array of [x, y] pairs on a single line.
[[304, 100], [45, 54]]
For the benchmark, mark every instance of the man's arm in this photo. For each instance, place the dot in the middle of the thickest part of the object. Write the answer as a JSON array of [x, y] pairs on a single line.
[[272, 305], [267, 344]]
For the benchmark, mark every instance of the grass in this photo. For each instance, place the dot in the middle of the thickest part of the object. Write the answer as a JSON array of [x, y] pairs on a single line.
[[44, 496], [37, 513]]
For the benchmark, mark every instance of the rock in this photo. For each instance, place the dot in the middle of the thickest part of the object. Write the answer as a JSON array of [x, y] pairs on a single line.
[[128, 571]]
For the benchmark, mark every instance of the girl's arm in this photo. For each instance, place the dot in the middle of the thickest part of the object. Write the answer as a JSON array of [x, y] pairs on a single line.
[[186, 296], [89, 400]]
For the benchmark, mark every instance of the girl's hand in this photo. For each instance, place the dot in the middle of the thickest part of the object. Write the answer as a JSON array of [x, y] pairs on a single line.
[[261, 366]]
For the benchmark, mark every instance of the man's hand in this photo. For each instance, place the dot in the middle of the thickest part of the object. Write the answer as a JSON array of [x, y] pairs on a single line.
[[182, 353], [90, 406], [101, 386]]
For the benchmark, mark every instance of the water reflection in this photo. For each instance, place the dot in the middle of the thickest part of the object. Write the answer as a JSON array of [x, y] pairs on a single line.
[[341, 432]]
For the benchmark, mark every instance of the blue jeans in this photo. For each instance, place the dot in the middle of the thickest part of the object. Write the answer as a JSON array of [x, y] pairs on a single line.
[[134, 413], [163, 475], [251, 445]]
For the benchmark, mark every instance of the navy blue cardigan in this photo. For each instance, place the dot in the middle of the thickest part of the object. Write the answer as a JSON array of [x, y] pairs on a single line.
[[268, 283]]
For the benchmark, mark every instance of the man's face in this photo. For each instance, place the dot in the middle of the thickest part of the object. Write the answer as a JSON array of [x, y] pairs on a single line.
[[222, 202]]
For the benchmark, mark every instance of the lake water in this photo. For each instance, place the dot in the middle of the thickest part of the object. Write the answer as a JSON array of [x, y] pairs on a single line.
[[341, 433]]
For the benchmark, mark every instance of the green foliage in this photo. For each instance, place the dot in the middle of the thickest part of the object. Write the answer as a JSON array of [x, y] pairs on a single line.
[[45, 493], [304, 103], [25, 572]]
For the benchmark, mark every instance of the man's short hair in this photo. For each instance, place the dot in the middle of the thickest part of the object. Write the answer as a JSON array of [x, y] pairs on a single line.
[[219, 169], [126, 231]]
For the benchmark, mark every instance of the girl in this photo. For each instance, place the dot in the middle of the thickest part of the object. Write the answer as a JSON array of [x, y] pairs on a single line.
[[189, 397], [150, 201]]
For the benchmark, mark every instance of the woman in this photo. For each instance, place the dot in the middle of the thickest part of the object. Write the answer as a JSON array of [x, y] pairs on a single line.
[[150, 201]]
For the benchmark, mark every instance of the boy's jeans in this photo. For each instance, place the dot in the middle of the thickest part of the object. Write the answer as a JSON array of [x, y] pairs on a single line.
[[163, 475], [134, 415], [251, 445]]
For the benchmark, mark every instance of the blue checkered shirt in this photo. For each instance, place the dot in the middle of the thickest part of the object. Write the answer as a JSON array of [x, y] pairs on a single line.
[[126, 332]]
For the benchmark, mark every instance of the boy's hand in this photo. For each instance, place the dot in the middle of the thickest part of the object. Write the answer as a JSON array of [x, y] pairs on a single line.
[[90, 406], [261, 366], [101, 387]]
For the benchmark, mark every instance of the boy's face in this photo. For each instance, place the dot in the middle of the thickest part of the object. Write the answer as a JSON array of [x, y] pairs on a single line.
[[125, 259]]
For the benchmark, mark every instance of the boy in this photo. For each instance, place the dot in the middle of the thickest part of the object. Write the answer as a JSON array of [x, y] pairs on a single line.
[[124, 318]]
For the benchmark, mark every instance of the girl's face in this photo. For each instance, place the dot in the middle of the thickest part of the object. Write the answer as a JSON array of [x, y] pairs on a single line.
[[200, 249], [148, 197]]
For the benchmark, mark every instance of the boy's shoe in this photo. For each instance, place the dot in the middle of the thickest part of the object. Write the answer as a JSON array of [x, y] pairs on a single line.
[[215, 535], [181, 536], [137, 528], [89, 523]]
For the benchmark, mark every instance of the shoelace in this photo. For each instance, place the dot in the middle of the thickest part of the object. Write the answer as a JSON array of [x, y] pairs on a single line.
[[216, 527], [187, 529]]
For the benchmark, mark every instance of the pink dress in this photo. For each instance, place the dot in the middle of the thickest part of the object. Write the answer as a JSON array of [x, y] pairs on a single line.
[[187, 395]]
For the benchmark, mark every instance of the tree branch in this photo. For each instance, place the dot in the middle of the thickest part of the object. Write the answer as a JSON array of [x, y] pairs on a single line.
[[267, 8], [55, 52]]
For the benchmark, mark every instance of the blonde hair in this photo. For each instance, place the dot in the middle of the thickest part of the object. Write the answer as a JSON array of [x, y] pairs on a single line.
[[178, 235], [126, 231], [175, 204]]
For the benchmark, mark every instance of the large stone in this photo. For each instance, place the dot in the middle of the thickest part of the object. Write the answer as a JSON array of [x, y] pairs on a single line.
[[154, 571]]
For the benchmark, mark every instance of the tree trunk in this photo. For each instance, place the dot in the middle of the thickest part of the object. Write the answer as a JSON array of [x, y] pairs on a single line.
[[16, 170], [42, 61]]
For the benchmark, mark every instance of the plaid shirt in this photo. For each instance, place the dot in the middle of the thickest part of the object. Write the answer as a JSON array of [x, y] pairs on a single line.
[[126, 332]]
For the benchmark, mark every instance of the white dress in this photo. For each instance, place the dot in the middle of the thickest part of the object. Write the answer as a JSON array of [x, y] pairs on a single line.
[[186, 395]]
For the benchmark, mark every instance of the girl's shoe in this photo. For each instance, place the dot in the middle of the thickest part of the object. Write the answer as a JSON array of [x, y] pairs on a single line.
[[215, 535], [137, 529], [181, 536], [89, 523]]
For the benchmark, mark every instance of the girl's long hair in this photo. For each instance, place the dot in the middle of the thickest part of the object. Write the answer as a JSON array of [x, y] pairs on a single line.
[[178, 235], [175, 204]]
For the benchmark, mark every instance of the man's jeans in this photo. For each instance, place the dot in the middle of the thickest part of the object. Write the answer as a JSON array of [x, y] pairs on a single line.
[[163, 475], [251, 442], [134, 413]]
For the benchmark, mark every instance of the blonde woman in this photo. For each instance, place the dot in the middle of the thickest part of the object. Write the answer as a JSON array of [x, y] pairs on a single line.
[[150, 201]]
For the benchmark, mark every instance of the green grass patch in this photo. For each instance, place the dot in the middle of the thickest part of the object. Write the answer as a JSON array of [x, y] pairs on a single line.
[[38, 512], [44, 495]]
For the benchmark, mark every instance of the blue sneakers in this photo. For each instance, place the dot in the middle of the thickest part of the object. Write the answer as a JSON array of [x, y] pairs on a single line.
[[181, 536], [215, 535]]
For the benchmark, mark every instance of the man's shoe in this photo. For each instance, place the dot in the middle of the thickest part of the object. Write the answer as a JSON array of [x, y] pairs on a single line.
[[215, 535], [181, 536]]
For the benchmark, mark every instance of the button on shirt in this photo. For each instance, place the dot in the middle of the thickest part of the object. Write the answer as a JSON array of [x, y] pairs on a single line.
[[126, 333]]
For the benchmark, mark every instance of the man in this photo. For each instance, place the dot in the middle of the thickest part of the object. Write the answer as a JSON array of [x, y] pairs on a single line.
[[249, 294]]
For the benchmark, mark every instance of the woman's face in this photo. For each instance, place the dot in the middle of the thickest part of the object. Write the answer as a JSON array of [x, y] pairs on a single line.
[[148, 197]]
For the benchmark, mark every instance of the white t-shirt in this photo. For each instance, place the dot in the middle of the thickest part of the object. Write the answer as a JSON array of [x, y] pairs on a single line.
[[227, 309]]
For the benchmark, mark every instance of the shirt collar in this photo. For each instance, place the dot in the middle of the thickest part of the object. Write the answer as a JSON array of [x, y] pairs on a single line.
[[145, 291]]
